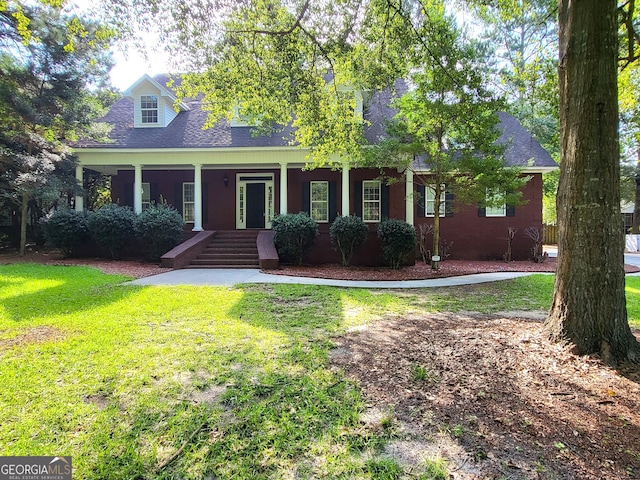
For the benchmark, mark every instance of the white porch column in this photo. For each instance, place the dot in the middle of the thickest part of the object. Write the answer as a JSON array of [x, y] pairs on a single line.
[[409, 196], [80, 180], [283, 189], [197, 198], [345, 191], [137, 189]]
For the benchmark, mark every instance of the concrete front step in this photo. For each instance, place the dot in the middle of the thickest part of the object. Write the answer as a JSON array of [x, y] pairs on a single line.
[[221, 256], [229, 249]]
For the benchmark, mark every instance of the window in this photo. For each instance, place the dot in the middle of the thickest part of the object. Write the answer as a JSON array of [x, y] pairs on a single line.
[[188, 202], [371, 201], [146, 196], [149, 108], [430, 201], [320, 201], [496, 206]]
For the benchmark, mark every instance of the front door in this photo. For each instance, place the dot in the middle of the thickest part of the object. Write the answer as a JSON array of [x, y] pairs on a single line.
[[254, 200], [255, 205]]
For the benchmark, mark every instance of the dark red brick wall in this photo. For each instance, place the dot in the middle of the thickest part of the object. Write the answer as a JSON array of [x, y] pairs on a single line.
[[476, 237], [473, 237]]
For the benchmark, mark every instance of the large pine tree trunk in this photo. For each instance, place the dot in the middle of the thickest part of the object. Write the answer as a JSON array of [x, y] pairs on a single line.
[[589, 307], [23, 223]]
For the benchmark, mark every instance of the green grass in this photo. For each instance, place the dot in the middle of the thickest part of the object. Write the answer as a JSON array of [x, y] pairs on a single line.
[[197, 382]]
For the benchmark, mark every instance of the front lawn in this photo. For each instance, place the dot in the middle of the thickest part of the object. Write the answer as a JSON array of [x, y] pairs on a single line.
[[204, 382]]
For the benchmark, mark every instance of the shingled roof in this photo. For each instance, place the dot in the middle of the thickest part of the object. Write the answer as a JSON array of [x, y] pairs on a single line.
[[186, 131]]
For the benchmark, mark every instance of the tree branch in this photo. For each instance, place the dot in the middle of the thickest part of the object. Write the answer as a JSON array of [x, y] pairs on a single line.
[[281, 33]]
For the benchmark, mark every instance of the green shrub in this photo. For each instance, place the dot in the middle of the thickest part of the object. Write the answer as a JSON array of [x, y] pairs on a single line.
[[160, 228], [113, 227], [294, 234], [347, 235], [66, 230], [398, 240]]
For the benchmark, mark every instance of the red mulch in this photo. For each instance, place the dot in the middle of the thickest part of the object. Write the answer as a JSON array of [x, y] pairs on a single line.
[[419, 271]]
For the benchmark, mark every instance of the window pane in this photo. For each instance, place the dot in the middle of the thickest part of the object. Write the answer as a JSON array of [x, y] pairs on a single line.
[[371, 201], [149, 101], [149, 108], [149, 116], [499, 209], [430, 203], [188, 212], [320, 201], [319, 191], [188, 194]]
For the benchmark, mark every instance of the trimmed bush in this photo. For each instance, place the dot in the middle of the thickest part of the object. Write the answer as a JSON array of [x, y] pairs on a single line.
[[294, 234], [398, 241], [160, 228], [66, 230], [113, 227], [348, 234]]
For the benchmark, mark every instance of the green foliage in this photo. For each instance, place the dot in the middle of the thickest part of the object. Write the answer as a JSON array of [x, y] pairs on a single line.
[[294, 234], [384, 469], [398, 241], [160, 228], [348, 234], [48, 61], [436, 469], [66, 229], [113, 227]]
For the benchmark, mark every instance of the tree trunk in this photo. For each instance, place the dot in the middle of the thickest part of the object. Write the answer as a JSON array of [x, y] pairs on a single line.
[[435, 264], [589, 305], [635, 228], [23, 224]]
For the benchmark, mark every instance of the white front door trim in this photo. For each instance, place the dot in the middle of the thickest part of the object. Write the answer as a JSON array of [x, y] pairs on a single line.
[[242, 179]]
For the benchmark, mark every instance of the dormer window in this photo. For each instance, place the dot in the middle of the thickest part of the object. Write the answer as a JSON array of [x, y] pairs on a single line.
[[149, 108]]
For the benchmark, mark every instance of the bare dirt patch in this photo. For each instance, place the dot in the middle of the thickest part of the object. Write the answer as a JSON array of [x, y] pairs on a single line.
[[496, 398], [39, 334]]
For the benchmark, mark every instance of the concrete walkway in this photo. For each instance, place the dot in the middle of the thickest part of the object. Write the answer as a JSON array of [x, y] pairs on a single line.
[[231, 277]]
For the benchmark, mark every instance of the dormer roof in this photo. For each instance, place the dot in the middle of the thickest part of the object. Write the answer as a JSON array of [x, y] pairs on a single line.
[[160, 85]]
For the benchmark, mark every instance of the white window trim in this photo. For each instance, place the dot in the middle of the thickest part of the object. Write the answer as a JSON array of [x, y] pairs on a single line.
[[146, 109], [325, 202], [146, 195], [499, 211], [430, 188], [185, 202], [365, 184]]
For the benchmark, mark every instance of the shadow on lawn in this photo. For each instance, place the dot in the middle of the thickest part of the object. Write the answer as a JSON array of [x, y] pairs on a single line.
[[56, 290]]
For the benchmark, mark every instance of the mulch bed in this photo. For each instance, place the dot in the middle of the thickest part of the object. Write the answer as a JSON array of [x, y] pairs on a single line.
[[497, 400]]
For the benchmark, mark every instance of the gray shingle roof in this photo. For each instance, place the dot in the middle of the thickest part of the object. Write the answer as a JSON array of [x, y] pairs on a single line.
[[185, 131], [522, 149]]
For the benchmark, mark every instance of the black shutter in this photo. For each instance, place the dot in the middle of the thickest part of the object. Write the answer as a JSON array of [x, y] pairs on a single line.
[[421, 201], [357, 198], [177, 197], [333, 207], [128, 195], [384, 200], [510, 210], [306, 198], [448, 204], [153, 193], [205, 203], [482, 211]]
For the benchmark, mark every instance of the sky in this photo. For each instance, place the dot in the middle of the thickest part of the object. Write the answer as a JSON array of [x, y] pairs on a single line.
[[132, 65]]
